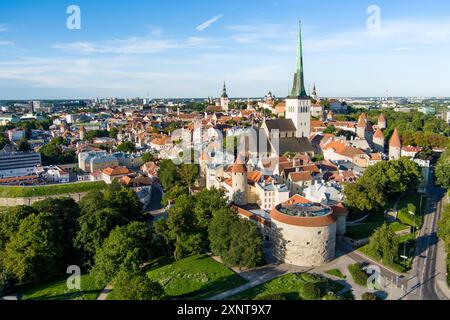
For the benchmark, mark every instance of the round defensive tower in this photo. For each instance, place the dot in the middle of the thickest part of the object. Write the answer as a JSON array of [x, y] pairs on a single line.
[[304, 233]]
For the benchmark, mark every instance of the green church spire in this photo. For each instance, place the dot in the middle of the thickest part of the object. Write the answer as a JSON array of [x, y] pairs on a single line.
[[224, 93], [298, 89]]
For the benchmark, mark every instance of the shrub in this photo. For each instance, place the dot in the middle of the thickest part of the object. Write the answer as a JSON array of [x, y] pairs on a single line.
[[358, 274], [331, 296], [311, 278], [136, 286], [271, 297], [310, 291], [369, 296]]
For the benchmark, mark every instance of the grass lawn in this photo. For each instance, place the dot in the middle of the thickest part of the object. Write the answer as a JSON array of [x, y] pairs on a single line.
[[399, 264], [336, 272], [415, 200], [373, 222], [289, 287], [58, 189], [363, 231], [196, 277], [57, 290]]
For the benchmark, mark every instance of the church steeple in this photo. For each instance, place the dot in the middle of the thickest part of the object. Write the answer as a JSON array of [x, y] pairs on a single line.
[[298, 89], [224, 93]]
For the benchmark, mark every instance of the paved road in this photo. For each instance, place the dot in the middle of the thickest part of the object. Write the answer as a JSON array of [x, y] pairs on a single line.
[[423, 270]]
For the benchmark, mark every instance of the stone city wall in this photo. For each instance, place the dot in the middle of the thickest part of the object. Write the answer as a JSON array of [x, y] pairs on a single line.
[[27, 201]]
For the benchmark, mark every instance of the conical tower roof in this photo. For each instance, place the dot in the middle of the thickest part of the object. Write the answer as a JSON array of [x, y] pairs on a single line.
[[395, 140], [381, 118], [379, 134], [362, 121], [239, 166], [298, 89]]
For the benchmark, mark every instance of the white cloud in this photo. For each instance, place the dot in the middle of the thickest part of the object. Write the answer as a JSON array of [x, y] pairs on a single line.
[[6, 43], [403, 33], [133, 45], [205, 25]]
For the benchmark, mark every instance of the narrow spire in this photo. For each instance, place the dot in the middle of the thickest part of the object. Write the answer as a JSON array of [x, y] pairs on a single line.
[[224, 93], [298, 89]]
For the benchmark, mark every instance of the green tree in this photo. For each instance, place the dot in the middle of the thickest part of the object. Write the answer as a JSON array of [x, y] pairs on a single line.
[[23, 145], [442, 171], [183, 229], [168, 174], [3, 141], [384, 243], [444, 227], [113, 132], [188, 174], [36, 251], [148, 157], [174, 193], [363, 197], [207, 203], [125, 249], [239, 242], [125, 201], [126, 147], [310, 291], [246, 245], [10, 221], [6, 282], [92, 201], [93, 228], [136, 286], [220, 230]]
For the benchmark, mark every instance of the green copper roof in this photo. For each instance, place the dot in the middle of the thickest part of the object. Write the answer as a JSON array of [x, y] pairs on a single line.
[[298, 89], [224, 93]]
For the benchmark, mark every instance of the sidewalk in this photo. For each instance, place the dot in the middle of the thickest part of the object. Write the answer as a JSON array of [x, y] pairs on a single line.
[[441, 270], [104, 294]]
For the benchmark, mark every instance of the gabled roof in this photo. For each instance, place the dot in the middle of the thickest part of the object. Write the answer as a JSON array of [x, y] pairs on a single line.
[[297, 145], [300, 176], [117, 171], [283, 125]]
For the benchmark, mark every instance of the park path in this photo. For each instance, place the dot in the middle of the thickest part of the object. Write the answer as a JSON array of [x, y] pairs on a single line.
[[259, 276], [104, 294]]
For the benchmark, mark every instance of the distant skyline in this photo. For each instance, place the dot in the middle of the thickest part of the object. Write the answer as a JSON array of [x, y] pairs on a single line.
[[188, 48]]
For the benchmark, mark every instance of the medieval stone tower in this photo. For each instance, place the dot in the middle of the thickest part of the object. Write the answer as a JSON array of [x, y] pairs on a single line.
[[379, 141], [239, 182], [382, 124], [395, 146], [361, 128]]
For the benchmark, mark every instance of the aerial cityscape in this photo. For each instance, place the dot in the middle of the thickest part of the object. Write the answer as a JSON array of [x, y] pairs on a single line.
[[282, 162]]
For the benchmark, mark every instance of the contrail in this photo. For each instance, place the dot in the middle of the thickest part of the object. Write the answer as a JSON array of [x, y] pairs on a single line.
[[208, 23]]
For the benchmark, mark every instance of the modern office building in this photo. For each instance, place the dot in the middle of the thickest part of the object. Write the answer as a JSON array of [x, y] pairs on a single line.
[[18, 164]]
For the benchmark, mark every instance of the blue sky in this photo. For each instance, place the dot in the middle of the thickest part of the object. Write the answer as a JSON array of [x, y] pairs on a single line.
[[188, 48]]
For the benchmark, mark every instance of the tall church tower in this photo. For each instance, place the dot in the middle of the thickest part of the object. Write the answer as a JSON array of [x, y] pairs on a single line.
[[224, 101], [298, 104]]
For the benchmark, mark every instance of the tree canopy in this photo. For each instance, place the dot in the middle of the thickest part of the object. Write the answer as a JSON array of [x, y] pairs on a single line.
[[125, 249], [382, 181]]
